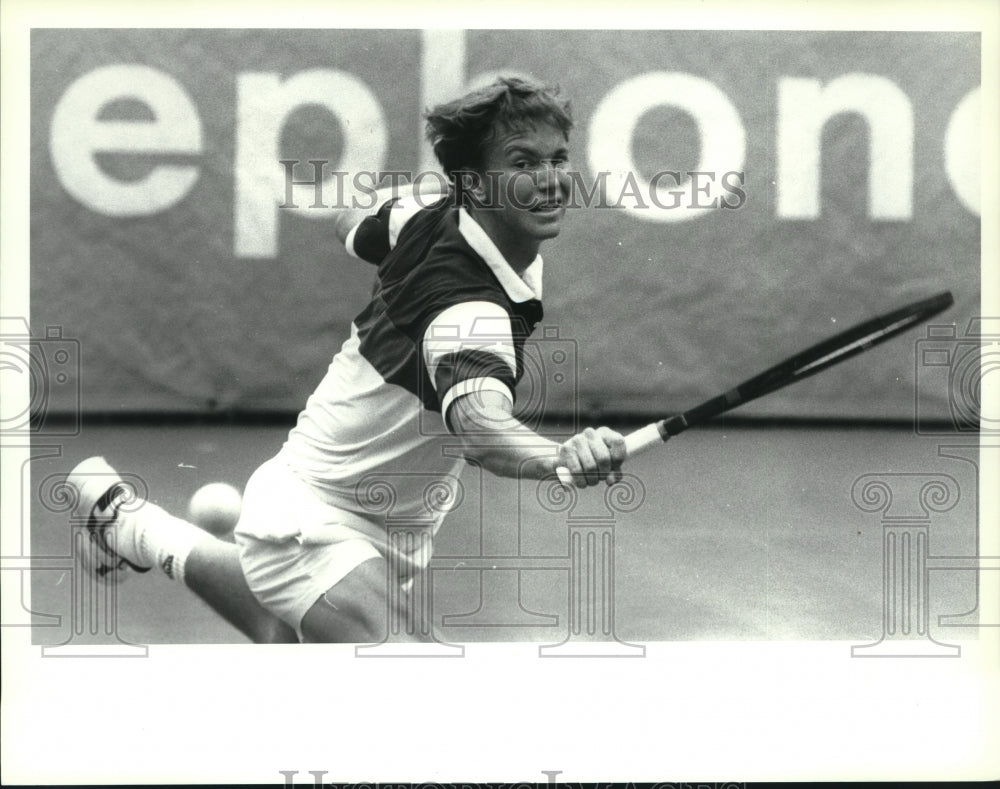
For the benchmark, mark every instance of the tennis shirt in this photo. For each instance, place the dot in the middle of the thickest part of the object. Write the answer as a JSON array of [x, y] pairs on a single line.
[[448, 317]]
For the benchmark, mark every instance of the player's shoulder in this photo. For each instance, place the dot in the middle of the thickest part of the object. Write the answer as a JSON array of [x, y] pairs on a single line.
[[451, 258], [375, 236], [431, 244], [434, 268], [417, 213]]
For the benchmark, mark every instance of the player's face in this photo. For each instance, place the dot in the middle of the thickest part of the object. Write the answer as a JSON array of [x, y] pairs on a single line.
[[527, 189]]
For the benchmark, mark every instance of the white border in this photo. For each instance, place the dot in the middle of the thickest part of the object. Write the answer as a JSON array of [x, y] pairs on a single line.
[[688, 712]]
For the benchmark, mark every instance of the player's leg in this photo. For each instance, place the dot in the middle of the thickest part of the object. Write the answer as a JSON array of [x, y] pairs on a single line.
[[128, 534], [213, 572], [330, 592], [318, 567], [358, 608]]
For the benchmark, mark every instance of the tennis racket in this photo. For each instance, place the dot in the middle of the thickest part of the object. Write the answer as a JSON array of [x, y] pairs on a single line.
[[819, 357]]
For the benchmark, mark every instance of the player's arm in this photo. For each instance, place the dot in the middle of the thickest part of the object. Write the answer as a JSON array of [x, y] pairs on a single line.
[[495, 439], [469, 355]]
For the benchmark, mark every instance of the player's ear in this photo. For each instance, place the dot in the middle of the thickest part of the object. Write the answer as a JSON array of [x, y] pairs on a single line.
[[479, 192], [470, 186]]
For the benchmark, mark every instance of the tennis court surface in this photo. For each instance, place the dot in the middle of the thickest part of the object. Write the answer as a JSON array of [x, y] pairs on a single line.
[[731, 532]]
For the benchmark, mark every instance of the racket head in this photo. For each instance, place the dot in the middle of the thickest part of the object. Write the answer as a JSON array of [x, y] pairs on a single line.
[[868, 334], [865, 335], [819, 357]]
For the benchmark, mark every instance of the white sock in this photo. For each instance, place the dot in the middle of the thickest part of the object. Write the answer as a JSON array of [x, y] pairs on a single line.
[[149, 536]]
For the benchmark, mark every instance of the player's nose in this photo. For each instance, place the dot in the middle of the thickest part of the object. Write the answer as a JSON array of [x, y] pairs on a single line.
[[553, 182], [563, 182]]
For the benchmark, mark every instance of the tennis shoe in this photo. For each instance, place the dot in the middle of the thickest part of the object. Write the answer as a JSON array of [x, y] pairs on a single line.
[[98, 493]]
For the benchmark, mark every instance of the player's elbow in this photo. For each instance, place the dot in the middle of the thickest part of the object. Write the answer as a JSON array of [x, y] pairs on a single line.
[[482, 424], [478, 424]]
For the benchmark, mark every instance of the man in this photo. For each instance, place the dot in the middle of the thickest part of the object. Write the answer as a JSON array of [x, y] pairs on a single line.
[[431, 366]]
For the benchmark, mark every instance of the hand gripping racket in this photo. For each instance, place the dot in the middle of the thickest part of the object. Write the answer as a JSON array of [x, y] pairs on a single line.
[[809, 362]]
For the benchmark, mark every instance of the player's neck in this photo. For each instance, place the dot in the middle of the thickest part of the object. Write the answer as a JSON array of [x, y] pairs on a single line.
[[520, 257], [518, 250]]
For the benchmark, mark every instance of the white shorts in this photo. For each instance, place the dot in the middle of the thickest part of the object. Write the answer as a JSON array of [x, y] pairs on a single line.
[[288, 575]]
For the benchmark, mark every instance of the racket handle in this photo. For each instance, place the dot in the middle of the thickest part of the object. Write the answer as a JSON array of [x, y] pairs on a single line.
[[642, 439]]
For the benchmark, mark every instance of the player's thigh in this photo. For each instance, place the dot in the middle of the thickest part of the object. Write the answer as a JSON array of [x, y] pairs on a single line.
[[214, 573], [358, 608]]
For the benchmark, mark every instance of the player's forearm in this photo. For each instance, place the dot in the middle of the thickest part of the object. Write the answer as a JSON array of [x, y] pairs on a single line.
[[503, 445]]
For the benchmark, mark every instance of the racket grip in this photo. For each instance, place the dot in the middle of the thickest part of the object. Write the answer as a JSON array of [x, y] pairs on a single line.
[[642, 439]]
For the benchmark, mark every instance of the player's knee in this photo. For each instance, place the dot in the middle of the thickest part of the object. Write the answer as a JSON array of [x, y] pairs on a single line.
[[339, 618], [362, 607], [360, 622], [272, 630], [335, 618]]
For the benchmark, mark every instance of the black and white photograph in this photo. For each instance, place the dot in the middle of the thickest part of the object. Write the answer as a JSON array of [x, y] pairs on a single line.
[[443, 395]]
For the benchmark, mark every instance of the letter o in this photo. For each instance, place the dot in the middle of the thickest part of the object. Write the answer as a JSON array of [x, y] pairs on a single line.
[[961, 151], [723, 138]]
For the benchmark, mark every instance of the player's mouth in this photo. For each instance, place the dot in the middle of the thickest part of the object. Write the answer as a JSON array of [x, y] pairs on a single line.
[[548, 208]]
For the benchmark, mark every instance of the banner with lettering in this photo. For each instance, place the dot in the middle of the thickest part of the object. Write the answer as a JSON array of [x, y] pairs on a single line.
[[739, 196]]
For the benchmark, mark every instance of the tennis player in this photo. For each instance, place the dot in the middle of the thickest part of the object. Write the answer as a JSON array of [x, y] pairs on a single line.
[[431, 366]]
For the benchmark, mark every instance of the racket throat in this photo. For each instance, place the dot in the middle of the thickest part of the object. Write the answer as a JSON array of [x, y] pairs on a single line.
[[672, 425]]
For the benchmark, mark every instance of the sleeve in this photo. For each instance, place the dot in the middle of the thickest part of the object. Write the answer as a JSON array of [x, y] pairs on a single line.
[[376, 235], [469, 348], [369, 239]]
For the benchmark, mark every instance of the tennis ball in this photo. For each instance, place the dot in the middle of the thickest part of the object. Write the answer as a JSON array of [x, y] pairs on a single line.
[[216, 508]]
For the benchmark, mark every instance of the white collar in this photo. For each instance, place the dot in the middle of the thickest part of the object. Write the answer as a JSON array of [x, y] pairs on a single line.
[[520, 288]]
